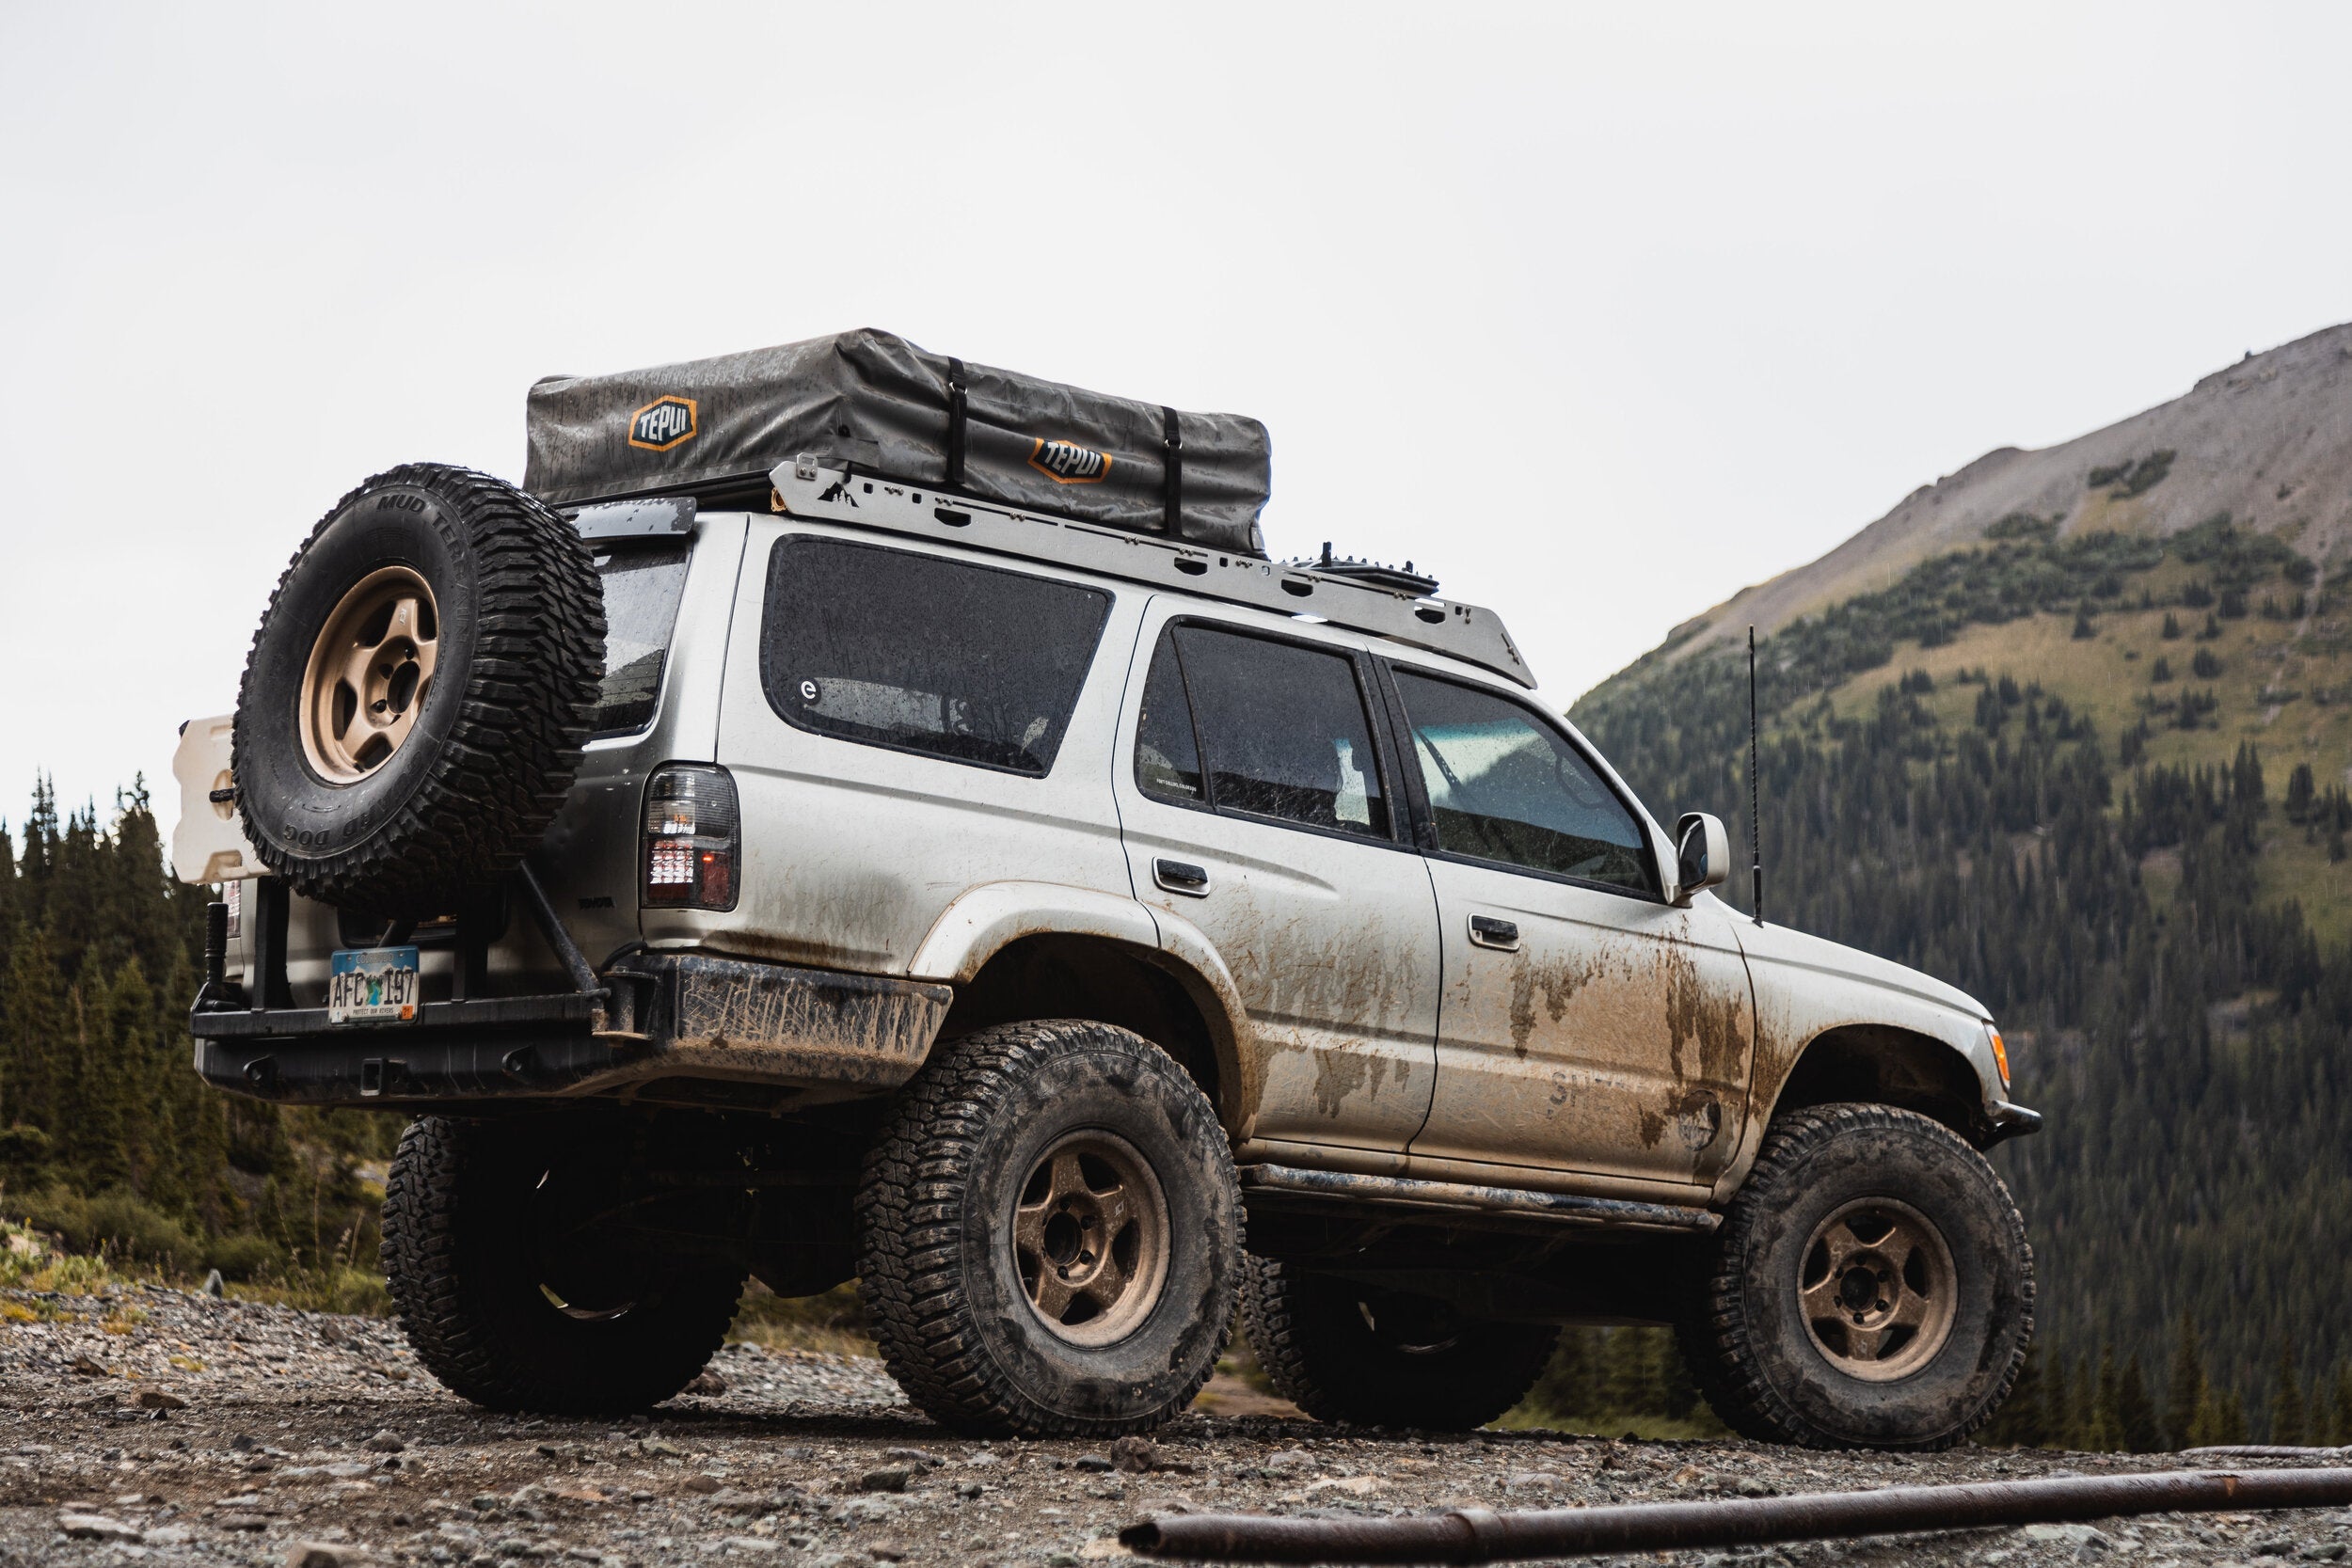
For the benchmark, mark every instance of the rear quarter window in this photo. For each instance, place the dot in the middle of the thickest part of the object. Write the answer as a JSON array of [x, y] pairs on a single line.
[[924, 654], [642, 585]]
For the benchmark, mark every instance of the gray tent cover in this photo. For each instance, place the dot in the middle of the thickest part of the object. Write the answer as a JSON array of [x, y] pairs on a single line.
[[875, 402]]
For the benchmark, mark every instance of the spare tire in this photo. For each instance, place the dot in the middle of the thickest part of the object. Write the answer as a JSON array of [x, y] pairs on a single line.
[[414, 707]]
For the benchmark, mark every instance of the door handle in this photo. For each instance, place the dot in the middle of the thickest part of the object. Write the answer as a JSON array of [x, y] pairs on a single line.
[[1179, 876], [1487, 931]]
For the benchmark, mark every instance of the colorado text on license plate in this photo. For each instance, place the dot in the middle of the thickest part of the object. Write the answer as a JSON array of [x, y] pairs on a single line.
[[374, 985]]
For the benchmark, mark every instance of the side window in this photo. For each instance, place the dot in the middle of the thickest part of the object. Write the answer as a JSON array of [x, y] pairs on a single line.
[[1506, 786], [1167, 755], [1282, 726], [918, 652], [642, 585]]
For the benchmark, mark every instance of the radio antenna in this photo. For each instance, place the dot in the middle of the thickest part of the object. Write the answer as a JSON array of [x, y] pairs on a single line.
[[1756, 813]]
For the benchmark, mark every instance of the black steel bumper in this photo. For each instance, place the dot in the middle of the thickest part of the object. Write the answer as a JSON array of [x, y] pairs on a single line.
[[670, 1028]]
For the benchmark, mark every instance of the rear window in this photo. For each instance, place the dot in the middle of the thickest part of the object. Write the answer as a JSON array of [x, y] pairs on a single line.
[[642, 585], [921, 653]]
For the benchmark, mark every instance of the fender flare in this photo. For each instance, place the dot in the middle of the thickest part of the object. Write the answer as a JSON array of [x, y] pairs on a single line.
[[983, 920], [1933, 1028]]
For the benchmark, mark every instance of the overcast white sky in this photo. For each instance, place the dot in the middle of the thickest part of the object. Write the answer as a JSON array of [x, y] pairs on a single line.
[[1599, 313]]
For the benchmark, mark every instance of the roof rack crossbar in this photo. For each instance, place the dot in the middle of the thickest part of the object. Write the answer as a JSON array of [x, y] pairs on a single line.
[[805, 488]]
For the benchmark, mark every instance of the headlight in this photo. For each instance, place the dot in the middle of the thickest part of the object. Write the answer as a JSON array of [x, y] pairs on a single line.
[[2000, 1056]]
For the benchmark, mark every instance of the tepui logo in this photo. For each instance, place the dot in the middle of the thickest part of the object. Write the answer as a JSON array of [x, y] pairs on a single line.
[[1068, 463], [663, 423]]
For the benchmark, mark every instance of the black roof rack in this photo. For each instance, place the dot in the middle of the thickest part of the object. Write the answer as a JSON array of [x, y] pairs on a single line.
[[1390, 604]]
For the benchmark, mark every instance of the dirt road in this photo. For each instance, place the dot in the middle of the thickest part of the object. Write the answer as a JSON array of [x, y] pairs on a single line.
[[172, 1427]]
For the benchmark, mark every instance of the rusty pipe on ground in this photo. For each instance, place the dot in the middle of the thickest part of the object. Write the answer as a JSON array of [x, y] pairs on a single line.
[[1475, 1535]]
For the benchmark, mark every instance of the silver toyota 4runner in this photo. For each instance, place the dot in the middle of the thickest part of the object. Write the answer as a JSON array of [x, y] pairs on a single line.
[[1074, 934]]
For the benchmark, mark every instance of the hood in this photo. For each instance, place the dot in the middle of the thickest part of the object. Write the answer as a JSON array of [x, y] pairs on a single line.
[[1786, 944]]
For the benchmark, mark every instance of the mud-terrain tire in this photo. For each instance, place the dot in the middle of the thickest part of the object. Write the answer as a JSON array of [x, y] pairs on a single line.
[[417, 696], [1032, 1180], [1348, 1353], [1872, 1212], [466, 1267]]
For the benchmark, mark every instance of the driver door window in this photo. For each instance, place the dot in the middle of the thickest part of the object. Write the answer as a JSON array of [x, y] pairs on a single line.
[[1584, 1023], [1507, 788]]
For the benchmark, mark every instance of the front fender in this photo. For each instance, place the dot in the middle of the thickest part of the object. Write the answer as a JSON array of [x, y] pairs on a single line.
[[1807, 988]]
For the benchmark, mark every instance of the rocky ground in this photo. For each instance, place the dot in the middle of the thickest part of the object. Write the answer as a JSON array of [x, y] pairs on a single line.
[[158, 1424]]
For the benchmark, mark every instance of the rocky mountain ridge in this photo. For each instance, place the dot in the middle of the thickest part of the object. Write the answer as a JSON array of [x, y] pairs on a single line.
[[2267, 440]]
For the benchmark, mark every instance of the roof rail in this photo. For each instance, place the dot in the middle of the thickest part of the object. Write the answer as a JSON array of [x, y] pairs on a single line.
[[805, 488]]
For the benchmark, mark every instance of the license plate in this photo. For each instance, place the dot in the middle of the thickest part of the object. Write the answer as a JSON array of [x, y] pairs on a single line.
[[373, 985]]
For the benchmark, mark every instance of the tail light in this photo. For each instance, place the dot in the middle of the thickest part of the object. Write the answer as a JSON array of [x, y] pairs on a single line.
[[693, 839]]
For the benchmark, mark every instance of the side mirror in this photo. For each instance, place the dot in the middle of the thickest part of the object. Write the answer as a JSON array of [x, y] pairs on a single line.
[[1702, 853]]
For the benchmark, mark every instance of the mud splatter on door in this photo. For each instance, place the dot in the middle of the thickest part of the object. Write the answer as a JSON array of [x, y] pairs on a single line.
[[1613, 1037]]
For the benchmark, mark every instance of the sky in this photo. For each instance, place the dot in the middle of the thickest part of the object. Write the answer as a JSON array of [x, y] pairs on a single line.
[[1598, 312]]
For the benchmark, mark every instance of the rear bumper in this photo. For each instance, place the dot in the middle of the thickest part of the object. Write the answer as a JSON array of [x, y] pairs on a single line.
[[667, 1028]]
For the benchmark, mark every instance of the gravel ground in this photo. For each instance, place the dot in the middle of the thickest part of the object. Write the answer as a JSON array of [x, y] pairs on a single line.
[[171, 1427]]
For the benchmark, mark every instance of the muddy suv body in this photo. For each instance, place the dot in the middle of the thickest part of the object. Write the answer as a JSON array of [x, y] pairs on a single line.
[[911, 824]]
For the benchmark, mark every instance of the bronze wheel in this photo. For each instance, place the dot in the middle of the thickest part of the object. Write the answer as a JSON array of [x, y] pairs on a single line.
[[414, 702], [1870, 1286], [1049, 1231], [1089, 1238], [1877, 1289], [368, 673]]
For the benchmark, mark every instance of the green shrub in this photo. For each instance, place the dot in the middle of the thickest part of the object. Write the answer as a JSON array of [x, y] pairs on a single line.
[[23, 1152], [2134, 478], [244, 1257], [116, 1223]]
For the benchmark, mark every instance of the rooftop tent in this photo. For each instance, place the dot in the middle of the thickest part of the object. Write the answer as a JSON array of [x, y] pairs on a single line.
[[875, 403]]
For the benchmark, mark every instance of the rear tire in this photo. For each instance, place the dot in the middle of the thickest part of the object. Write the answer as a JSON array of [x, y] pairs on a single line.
[[1871, 1288], [1345, 1352], [414, 706], [1049, 1234], [502, 1311]]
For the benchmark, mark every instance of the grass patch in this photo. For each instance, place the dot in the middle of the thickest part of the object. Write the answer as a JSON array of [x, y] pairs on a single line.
[[832, 1323]]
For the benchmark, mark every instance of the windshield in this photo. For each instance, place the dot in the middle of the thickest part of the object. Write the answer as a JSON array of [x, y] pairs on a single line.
[[642, 585]]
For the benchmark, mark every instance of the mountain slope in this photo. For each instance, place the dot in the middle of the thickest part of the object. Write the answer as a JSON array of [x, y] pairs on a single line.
[[2267, 440], [2090, 762]]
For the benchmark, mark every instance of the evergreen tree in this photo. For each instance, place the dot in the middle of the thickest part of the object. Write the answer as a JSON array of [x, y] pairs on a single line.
[[2106, 1431], [2288, 1420], [2339, 1403], [37, 1023], [2185, 1385], [2058, 1402], [2138, 1431], [2023, 1420], [1631, 1371]]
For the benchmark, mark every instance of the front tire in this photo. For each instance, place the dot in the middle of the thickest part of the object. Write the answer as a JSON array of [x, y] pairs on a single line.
[[509, 1312], [1870, 1287], [1343, 1351], [1049, 1234]]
